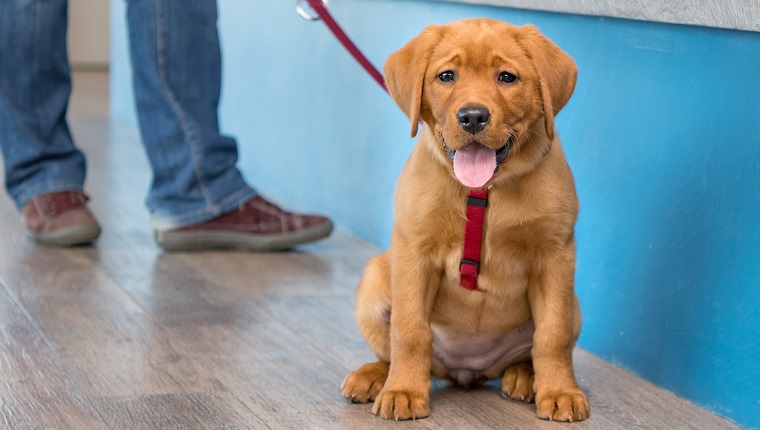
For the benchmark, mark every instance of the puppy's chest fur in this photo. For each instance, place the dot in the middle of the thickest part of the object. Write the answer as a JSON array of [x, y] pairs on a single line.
[[512, 242], [476, 335]]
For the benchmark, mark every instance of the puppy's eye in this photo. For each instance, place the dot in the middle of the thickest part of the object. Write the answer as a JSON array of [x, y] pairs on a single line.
[[447, 76], [507, 77]]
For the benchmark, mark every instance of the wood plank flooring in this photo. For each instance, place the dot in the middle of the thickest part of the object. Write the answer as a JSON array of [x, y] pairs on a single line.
[[123, 336]]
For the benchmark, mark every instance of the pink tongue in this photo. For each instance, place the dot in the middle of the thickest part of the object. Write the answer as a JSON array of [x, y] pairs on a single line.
[[474, 165]]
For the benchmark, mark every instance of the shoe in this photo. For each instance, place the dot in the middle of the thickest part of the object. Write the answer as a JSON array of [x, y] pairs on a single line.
[[60, 218], [256, 225]]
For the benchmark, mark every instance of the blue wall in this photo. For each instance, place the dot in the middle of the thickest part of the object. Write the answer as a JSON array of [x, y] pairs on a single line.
[[662, 134]]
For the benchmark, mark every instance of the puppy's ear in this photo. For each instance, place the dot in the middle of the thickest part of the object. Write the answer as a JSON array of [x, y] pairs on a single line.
[[557, 72], [405, 73]]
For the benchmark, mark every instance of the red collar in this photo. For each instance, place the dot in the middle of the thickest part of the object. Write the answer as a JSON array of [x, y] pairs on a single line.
[[469, 267]]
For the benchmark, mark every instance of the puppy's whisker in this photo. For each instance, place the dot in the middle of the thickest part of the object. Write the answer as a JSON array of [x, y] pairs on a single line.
[[534, 133]]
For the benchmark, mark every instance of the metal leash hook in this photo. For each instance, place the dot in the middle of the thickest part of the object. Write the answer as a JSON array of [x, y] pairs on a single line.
[[326, 17], [305, 15]]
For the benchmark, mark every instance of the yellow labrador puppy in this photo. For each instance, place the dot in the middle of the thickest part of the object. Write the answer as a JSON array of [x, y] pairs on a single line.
[[478, 282]]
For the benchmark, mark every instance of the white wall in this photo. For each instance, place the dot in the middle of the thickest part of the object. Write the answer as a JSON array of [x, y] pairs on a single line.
[[88, 34]]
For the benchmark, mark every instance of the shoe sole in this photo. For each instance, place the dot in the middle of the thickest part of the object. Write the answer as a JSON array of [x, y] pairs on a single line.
[[222, 239], [80, 234]]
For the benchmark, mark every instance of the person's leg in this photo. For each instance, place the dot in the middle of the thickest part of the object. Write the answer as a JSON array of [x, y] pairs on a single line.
[[176, 59], [35, 84], [44, 172], [198, 199]]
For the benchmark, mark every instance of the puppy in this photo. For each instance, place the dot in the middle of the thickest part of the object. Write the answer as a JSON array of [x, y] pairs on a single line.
[[487, 93]]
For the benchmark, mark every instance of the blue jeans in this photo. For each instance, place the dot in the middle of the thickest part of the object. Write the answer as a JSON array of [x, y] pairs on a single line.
[[176, 59]]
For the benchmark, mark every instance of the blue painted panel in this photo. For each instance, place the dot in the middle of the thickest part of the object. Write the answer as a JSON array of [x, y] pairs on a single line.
[[662, 135]]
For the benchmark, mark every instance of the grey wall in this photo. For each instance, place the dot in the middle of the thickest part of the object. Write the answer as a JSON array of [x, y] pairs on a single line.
[[733, 14]]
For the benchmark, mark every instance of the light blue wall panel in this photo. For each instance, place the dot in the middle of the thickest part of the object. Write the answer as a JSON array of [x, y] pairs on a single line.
[[662, 134]]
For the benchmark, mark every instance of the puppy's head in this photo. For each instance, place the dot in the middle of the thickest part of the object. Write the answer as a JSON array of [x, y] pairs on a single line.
[[484, 87]]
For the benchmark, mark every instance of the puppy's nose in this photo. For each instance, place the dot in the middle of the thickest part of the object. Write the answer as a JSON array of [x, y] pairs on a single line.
[[473, 118]]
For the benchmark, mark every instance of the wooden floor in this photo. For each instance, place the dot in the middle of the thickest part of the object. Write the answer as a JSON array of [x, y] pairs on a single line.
[[123, 336]]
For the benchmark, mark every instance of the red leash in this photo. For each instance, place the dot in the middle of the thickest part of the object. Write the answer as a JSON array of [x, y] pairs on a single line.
[[321, 10], [477, 200]]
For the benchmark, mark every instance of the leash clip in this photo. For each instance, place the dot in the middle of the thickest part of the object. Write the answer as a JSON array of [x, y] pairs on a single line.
[[305, 15]]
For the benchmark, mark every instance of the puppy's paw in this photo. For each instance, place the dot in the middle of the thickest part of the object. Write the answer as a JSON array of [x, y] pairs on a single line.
[[562, 405], [517, 383], [363, 384], [401, 405]]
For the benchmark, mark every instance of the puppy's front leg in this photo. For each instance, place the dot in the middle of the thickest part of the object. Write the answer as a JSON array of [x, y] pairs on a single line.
[[406, 394], [556, 316]]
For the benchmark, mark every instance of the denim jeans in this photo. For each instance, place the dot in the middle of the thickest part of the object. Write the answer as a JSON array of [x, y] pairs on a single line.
[[176, 60]]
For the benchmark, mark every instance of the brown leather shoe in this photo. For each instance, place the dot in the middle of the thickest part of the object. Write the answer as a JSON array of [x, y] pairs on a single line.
[[256, 225], [60, 218]]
